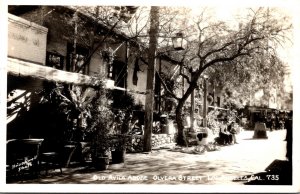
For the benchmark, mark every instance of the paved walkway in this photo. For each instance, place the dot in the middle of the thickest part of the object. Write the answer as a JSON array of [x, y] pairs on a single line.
[[226, 166]]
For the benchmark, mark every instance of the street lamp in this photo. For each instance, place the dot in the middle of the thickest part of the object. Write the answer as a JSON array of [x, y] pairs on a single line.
[[179, 43]]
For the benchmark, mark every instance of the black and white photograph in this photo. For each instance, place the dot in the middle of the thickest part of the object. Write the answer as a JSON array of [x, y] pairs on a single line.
[[149, 97]]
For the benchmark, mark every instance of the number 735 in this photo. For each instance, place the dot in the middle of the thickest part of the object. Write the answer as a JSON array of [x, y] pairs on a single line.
[[273, 177]]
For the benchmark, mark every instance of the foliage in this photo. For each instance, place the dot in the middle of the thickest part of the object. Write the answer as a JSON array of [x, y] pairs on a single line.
[[249, 77], [212, 120], [247, 50], [121, 100], [123, 106], [101, 124], [243, 48], [169, 82], [90, 117], [75, 104]]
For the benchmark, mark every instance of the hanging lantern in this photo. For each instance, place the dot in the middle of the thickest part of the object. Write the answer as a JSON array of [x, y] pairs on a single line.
[[179, 43]]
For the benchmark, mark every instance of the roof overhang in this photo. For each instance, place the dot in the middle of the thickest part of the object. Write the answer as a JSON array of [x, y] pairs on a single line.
[[22, 68]]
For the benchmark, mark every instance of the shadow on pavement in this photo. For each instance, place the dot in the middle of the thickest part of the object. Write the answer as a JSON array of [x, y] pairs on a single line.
[[254, 139], [279, 172], [154, 164]]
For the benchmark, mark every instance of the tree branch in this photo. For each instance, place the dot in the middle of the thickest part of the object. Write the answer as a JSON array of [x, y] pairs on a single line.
[[97, 47], [166, 87], [186, 77], [162, 82]]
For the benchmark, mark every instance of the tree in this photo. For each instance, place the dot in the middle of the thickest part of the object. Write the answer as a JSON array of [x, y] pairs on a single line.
[[217, 45], [249, 77], [212, 44]]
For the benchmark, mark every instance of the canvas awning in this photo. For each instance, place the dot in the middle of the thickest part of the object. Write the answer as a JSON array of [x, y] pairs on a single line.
[[28, 69]]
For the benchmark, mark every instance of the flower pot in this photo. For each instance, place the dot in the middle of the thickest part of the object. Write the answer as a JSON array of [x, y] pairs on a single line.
[[118, 156], [101, 162]]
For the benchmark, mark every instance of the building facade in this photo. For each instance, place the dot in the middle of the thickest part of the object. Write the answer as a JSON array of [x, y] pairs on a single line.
[[42, 48]]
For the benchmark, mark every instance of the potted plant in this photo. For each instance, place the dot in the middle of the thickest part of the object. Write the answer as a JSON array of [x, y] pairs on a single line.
[[100, 130], [119, 139], [118, 151], [87, 112], [100, 153], [124, 105]]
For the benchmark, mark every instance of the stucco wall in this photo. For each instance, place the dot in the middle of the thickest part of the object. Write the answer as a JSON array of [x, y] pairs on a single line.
[[26, 40]]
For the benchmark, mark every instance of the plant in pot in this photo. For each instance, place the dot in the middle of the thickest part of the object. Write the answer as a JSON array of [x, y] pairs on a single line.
[[123, 104], [100, 130], [118, 139]]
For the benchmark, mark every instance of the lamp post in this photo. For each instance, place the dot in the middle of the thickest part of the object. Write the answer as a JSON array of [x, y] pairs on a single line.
[[154, 19], [178, 44]]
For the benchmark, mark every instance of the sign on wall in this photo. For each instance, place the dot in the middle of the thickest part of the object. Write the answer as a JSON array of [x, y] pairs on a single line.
[[26, 40]]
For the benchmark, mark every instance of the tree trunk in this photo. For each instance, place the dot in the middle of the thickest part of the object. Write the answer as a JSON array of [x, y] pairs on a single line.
[[181, 139]]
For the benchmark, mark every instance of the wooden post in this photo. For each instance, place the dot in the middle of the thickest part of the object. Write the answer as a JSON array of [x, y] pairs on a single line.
[[159, 89], [74, 57], [205, 104], [126, 63], [150, 78], [192, 110]]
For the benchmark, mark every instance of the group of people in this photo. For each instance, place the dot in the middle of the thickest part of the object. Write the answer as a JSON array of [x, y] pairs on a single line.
[[227, 134], [275, 121]]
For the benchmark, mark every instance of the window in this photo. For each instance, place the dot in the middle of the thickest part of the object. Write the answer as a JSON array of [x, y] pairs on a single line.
[[54, 60], [75, 61], [119, 73]]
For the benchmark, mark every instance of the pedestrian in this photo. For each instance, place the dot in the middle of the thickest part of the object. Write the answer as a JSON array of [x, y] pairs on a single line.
[[232, 130]]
